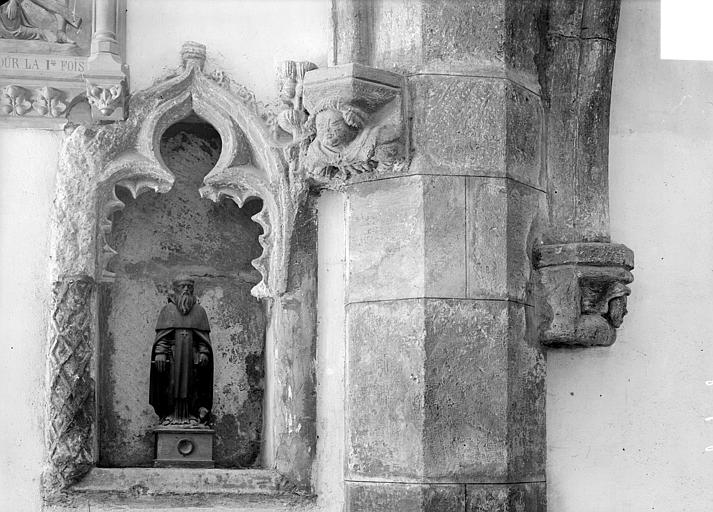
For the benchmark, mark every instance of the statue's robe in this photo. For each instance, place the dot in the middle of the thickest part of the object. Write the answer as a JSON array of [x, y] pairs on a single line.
[[182, 338], [19, 27]]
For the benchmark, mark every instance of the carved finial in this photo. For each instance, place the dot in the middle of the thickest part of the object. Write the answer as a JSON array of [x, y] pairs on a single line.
[[193, 53]]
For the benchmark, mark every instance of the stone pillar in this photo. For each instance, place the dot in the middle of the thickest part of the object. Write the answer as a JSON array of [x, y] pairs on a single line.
[[445, 398], [104, 41]]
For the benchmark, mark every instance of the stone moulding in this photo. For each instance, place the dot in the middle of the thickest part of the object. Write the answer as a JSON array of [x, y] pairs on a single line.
[[582, 292]]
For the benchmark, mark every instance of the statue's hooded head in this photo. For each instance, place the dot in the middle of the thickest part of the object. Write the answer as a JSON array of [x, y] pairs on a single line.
[[183, 296]]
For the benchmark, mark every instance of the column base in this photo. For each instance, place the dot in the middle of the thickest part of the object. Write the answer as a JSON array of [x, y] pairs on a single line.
[[404, 497]]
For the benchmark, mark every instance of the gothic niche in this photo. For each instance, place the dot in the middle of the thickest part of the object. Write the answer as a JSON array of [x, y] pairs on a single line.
[[156, 237]]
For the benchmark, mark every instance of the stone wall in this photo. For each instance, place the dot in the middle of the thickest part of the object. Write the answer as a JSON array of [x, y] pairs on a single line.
[[625, 423]]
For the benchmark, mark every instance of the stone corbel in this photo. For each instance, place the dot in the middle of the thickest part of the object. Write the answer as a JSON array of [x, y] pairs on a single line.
[[355, 122], [582, 292]]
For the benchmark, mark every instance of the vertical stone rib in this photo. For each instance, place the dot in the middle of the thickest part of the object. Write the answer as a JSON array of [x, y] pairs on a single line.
[[576, 78], [71, 407]]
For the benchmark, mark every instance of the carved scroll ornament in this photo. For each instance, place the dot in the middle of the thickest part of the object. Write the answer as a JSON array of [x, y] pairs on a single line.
[[582, 292]]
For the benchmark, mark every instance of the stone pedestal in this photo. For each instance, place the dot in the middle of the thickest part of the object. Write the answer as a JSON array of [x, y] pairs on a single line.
[[184, 447]]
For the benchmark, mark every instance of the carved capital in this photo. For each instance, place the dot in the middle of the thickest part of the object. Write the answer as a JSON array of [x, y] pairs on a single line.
[[107, 101], [355, 122], [582, 292]]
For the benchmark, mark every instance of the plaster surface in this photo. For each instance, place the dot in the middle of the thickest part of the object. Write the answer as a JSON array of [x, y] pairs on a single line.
[[27, 169], [626, 428], [245, 38]]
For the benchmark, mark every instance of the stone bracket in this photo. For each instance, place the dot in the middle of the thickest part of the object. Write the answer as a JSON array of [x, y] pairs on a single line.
[[355, 122], [582, 292]]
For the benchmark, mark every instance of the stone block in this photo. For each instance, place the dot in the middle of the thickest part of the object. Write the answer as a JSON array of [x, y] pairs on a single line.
[[433, 391], [463, 34], [524, 497], [475, 126], [501, 225], [406, 238], [392, 497], [444, 236]]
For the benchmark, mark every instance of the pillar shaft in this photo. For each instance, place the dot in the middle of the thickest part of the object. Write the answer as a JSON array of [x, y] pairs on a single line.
[[104, 38], [445, 375]]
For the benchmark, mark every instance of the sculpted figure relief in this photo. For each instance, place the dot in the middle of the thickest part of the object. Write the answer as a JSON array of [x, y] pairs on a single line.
[[16, 24], [181, 380], [602, 312], [341, 143]]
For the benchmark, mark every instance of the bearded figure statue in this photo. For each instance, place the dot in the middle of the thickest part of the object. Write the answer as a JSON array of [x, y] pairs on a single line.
[[181, 380]]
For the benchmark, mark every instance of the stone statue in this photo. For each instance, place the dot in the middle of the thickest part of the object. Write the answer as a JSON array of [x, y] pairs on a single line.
[[181, 381], [15, 24]]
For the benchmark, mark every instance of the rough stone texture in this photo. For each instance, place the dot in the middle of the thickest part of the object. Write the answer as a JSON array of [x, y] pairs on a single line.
[[407, 238], [490, 38], [70, 409], [526, 497], [388, 497], [501, 226], [158, 237], [477, 127], [443, 390]]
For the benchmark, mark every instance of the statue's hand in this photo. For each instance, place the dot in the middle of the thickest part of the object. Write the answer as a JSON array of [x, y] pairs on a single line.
[[161, 362], [12, 9], [203, 359]]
